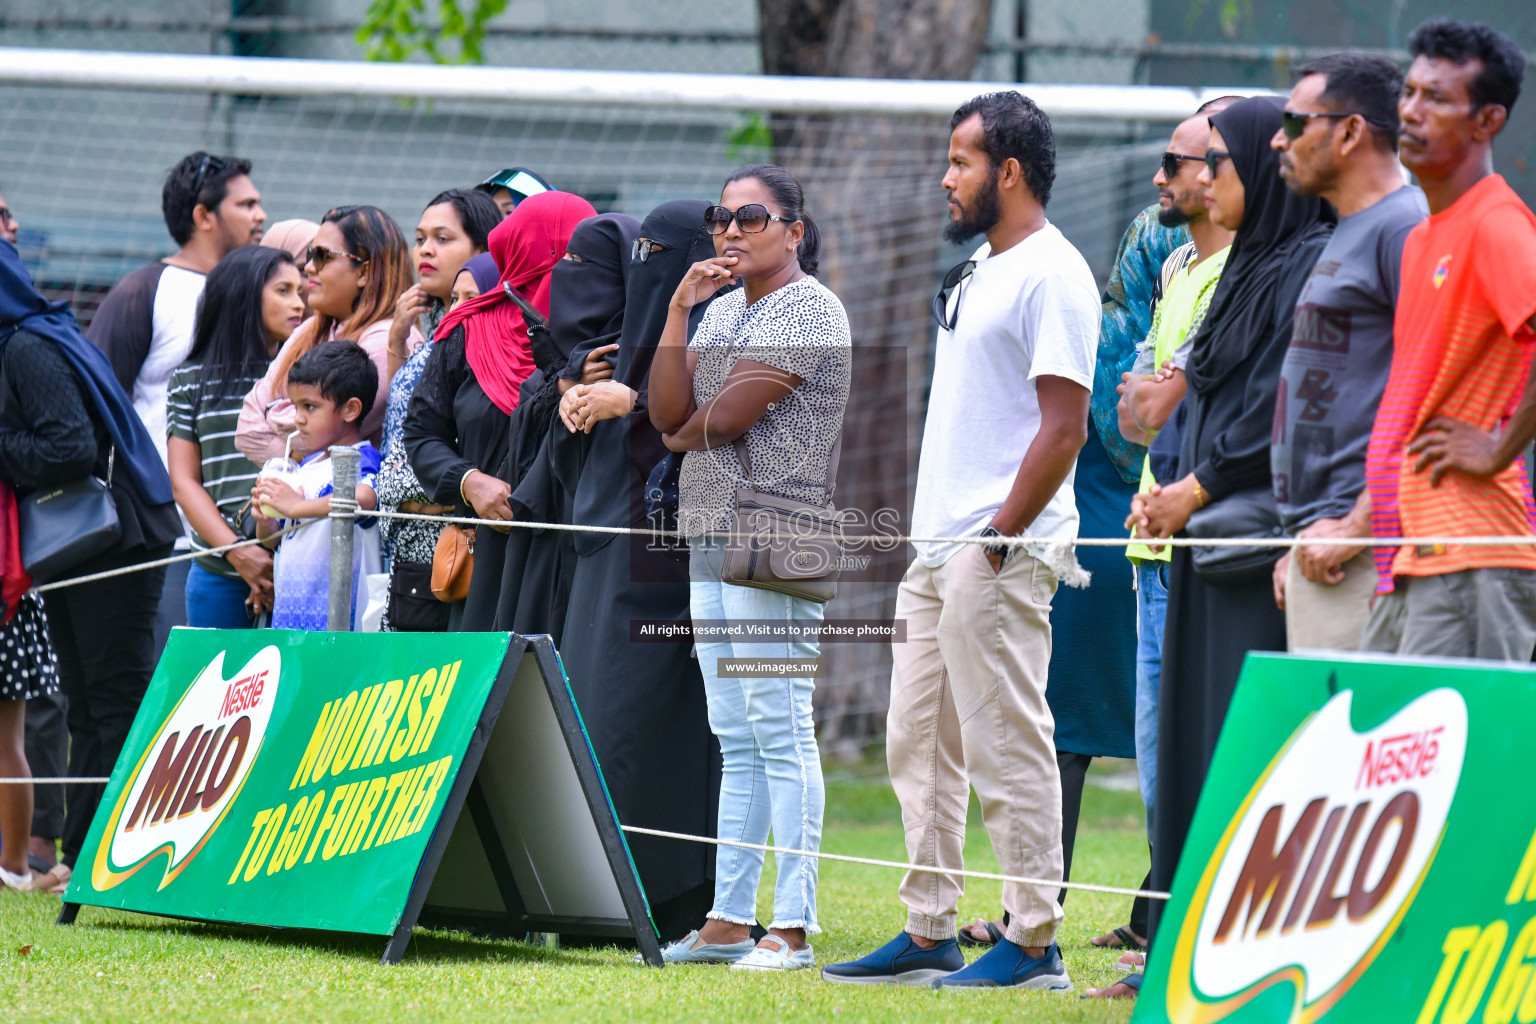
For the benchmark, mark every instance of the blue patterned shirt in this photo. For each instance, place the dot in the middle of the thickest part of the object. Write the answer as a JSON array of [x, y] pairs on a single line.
[[1126, 320]]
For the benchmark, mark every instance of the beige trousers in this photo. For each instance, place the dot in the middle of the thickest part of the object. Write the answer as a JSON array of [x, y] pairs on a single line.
[[1329, 618], [968, 709]]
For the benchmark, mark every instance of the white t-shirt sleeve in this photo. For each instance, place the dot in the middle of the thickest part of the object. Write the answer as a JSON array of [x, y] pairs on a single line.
[[1062, 315]]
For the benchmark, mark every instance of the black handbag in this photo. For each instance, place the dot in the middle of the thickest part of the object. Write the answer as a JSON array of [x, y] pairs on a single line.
[[62, 527], [412, 606], [1251, 513]]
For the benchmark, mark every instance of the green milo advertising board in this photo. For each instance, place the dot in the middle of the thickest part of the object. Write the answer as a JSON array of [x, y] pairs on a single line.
[[1364, 850], [284, 778]]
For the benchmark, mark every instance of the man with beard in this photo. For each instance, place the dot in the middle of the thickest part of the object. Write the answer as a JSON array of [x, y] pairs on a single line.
[[1338, 140], [1150, 394], [145, 323], [1007, 415]]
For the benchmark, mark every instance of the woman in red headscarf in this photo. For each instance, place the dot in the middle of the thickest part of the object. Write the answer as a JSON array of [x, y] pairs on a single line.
[[458, 424]]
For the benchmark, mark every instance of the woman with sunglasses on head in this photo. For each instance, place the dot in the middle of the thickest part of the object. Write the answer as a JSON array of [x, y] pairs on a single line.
[[358, 267], [251, 304], [458, 424], [760, 390], [1223, 431]]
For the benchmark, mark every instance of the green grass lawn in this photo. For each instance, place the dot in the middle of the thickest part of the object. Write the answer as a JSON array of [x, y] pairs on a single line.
[[115, 966]]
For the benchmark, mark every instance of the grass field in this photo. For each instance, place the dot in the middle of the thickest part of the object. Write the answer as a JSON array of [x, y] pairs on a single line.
[[116, 966]]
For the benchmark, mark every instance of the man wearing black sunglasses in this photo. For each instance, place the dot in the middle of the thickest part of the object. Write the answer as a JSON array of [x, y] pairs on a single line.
[[145, 322], [1007, 415], [1338, 140]]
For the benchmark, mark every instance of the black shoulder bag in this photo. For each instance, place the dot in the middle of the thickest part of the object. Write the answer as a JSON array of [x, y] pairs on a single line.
[[61, 527]]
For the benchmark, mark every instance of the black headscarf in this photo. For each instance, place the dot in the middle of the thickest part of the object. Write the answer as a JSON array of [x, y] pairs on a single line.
[[1275, 222], [622, 452], [586, 298], [586, 309], [22, 308], [678, 225]]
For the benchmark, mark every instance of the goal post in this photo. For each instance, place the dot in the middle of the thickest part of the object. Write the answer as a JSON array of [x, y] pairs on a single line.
[[88, 136]]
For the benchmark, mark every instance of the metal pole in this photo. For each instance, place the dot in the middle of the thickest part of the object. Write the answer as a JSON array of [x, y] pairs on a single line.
[[344, 463]]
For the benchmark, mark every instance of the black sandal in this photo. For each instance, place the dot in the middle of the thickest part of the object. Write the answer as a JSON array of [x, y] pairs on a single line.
[[994, 935], [1128, 941]]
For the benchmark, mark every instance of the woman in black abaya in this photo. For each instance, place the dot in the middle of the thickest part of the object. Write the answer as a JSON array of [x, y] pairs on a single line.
[[1234, 372], [642, 702], [586, 312]]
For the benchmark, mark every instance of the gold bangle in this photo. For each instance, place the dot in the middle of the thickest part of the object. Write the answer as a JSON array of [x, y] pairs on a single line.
[[462, 481], [1200, 495]]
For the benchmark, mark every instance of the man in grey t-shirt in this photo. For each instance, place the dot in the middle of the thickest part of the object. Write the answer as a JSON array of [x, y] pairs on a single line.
[[1338, 141]]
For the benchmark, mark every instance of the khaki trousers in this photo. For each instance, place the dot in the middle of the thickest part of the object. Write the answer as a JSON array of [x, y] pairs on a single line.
[[1329, 618], [968, 709]]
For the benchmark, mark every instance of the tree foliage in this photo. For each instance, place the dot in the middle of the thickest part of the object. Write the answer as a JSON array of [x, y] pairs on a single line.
[[394, 30]]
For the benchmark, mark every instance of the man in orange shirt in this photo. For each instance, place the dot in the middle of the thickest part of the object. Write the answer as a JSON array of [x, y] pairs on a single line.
[[1460, 401]]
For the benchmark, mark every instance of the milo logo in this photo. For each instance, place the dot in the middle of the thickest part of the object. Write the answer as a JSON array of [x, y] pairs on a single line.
[[191, 770], [1322, 860]]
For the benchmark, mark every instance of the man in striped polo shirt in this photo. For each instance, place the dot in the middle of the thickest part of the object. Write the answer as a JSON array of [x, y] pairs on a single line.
[[1460, 402]]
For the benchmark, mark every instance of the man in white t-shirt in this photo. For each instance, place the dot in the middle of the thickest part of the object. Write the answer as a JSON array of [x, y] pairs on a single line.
[[1007, 415], [145, 323]]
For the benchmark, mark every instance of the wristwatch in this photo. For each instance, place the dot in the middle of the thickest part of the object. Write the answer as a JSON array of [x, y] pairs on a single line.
[[1001, 550]]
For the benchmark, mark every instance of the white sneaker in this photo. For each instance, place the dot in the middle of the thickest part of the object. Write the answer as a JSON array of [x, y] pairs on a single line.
[[774, 954], [690, 949]]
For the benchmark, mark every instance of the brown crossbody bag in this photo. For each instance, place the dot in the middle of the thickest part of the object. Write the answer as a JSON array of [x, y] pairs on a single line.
[[782, 544]]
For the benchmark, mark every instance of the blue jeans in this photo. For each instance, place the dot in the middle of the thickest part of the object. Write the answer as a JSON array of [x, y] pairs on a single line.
[[1151, 614], [214, 602], [771, 773]]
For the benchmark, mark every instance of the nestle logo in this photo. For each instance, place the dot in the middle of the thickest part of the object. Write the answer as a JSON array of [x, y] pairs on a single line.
[[1401, 758], [243, 694]]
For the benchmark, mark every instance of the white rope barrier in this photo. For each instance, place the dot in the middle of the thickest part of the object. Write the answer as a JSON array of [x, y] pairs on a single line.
[[891, 541], [57, 780], [75, 581], [882, 541], [1112, 890], [989, 876]]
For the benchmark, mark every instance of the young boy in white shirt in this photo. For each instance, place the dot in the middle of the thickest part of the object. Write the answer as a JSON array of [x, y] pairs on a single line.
[[332, 389]]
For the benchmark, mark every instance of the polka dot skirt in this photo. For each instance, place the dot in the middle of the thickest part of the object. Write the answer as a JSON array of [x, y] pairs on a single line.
[[27, 665]]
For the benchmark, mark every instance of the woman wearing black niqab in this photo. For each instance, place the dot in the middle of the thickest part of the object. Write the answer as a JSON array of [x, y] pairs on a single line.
[[643, 703], [1234, 372], [586, 312]]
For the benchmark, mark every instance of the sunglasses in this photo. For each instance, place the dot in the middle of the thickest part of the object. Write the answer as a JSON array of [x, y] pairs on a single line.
[[752, 218], [5, 215], [1171, 163], [1213, 159], [640, 249], [952, 280], [210, 163], [319, 255], [1293, 122]]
